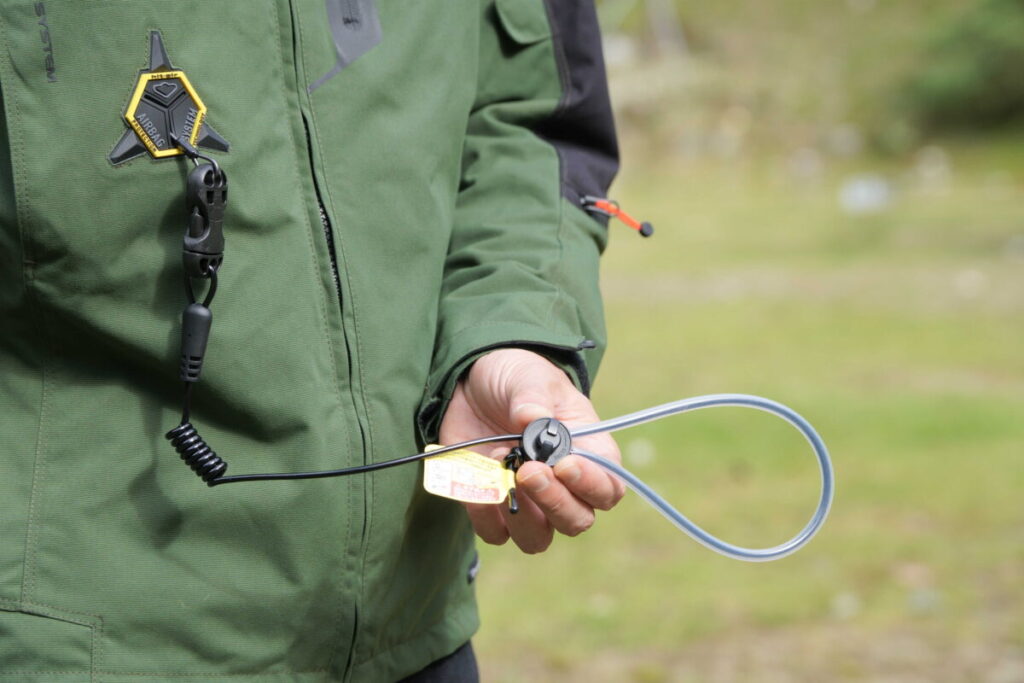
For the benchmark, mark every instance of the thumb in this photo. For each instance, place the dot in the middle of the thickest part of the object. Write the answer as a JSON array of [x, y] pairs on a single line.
[[520, 384], [527, 406]]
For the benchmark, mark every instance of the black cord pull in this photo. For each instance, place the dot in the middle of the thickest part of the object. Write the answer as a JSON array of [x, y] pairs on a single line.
[[610, 208]]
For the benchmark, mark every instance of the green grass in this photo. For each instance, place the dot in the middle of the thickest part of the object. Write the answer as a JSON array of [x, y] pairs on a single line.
[[798, 67], [899, 335]]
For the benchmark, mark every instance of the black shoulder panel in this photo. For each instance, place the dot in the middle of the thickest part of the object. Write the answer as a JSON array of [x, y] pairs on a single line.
[[581, 128]]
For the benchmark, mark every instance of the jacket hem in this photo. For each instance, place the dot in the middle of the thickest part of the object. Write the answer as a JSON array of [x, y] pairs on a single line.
[[412, 655]]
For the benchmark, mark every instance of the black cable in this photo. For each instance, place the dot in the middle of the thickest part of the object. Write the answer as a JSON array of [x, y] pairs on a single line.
[[362, 468], [186, 403]]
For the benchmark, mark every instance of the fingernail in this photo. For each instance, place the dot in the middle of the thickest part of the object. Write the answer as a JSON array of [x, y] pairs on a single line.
[[568, 471], [536, 482]]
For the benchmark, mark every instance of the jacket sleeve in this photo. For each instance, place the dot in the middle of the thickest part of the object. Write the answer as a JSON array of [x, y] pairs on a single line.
[[522, 265]]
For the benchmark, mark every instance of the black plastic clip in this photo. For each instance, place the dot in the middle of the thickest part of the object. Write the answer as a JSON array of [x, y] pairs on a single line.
[[206, 195], [545, 440]]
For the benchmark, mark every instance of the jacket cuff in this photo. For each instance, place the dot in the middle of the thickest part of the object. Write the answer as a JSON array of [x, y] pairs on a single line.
[[454, 358]]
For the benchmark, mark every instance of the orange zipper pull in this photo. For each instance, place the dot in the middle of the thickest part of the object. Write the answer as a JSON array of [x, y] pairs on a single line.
[[610, 207]]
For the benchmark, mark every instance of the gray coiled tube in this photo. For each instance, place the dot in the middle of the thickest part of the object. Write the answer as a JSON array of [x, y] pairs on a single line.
[[680, 520]]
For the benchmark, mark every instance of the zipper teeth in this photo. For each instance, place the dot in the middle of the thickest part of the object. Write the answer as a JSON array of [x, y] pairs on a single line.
[[326, 223]]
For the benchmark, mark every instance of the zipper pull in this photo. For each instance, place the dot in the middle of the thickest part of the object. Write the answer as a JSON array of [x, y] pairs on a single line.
[[610, 207]]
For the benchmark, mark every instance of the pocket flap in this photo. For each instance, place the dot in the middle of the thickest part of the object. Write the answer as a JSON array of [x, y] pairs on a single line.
[[31, 643]]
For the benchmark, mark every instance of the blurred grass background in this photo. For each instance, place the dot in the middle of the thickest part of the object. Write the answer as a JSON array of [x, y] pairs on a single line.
[[830, 237]]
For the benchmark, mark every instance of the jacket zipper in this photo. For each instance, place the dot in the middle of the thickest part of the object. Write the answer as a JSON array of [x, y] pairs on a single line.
[[325, 221]]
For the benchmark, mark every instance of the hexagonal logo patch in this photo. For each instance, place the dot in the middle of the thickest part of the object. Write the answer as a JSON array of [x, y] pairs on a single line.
[[164, 105]]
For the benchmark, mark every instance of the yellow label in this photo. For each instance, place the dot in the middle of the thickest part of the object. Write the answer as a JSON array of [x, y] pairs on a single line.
[[467, 476]]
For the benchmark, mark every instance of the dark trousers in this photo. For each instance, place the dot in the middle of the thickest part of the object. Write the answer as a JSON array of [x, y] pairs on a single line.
[[458, 667]]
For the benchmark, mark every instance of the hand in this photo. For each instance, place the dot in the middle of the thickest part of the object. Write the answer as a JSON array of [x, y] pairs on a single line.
[[503, 392]]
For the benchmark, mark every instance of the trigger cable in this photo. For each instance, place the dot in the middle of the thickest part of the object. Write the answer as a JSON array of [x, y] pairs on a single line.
[[533, 449], [545, 440]]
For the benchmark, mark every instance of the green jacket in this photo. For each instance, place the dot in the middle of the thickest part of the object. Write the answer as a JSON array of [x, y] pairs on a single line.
[[449, 160]]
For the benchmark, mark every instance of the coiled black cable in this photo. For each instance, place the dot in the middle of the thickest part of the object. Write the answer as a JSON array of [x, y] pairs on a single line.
[[196, 453]]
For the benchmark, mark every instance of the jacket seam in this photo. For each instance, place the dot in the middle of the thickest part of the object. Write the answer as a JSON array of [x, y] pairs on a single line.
[[561, 64], [425, 633], [51, 612], [502, 323], [28, 579], [403, 641], [48, 673], [565, 81], [437, 378], [183, 674], [559, 270], [94, 622], [564, 75], [17, 148], [21, 210], [354, 512], [206, 674]]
